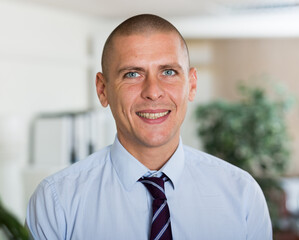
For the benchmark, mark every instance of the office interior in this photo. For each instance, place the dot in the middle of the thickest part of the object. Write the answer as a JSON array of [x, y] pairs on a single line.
[[50, 52]]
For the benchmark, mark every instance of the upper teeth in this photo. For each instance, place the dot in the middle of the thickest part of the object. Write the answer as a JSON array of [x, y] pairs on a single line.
[[152, 115]]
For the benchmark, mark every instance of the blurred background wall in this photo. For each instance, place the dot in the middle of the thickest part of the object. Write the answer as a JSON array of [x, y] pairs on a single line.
[[50, 52], [225, 63], [46, 59]]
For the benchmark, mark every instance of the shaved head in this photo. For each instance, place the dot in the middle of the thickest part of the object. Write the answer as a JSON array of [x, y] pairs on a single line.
[[140, 24]]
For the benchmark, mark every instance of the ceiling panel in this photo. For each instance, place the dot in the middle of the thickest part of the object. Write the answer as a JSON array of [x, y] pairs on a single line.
[[166, 8]]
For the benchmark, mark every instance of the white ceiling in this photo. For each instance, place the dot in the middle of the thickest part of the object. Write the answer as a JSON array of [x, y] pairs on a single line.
[[196, 18], [166, 8]]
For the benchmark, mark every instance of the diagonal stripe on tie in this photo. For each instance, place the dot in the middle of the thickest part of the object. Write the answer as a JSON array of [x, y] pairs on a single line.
[[154, 184], [163, 230], [159, 210], [161, 226]]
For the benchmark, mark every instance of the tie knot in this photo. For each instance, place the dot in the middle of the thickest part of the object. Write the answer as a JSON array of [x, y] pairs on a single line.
[[155, 185]]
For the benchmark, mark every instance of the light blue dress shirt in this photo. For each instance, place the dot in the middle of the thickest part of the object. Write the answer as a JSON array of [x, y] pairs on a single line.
[[100, 198]]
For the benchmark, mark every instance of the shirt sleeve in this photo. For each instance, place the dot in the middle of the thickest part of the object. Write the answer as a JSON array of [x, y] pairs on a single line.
[[259, 225], [45, 218]]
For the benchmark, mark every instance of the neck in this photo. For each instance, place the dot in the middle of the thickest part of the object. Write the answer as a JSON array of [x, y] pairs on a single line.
[[153, 158]]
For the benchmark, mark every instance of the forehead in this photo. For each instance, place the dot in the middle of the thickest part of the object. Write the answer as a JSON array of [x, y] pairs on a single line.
[[149, 46]]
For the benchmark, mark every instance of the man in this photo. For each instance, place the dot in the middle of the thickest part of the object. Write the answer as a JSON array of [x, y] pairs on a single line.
[[147, 184]]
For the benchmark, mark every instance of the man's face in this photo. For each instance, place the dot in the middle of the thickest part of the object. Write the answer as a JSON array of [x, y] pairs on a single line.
[[147, 86]]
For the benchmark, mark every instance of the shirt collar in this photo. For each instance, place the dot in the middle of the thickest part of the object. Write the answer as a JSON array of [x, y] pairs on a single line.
[[175, 165], [129, 169]]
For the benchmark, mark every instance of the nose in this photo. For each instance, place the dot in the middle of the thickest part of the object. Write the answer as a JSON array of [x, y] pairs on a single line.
[[152, 89]]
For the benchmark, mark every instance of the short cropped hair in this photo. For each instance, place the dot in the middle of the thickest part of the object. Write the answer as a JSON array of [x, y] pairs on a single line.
[[139, 24]]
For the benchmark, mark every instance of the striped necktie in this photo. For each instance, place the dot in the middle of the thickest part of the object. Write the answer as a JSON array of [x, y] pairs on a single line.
[[161, 228]]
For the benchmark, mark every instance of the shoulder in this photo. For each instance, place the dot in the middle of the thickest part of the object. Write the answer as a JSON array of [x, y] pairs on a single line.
[[59, 193], [213, 167], [94, 162], [59, 196], [217, 176], [80, 171], [236, 187], [198, 158]]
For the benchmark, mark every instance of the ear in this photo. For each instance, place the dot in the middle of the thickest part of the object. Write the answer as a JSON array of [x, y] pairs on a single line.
[[192, 83], [101, 85]]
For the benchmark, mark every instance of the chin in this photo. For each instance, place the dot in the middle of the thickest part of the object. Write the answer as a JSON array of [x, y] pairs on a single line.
[[157, 141]]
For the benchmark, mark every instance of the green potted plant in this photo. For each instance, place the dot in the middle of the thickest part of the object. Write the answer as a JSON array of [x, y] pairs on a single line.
[[11, 227], [250, 134]]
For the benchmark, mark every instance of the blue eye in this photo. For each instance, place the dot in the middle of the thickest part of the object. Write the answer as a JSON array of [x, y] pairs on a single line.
[[168, 72], [132, 75]]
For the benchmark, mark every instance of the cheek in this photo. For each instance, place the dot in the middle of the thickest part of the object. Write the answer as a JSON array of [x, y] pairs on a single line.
[[126, 98], [179, 94]]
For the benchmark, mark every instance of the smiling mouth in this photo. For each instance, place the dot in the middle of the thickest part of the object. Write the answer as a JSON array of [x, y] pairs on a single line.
[[152, 115]]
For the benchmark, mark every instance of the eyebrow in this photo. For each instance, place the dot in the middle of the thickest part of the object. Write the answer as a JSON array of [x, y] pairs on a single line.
[[170, 66], [130, 68]]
